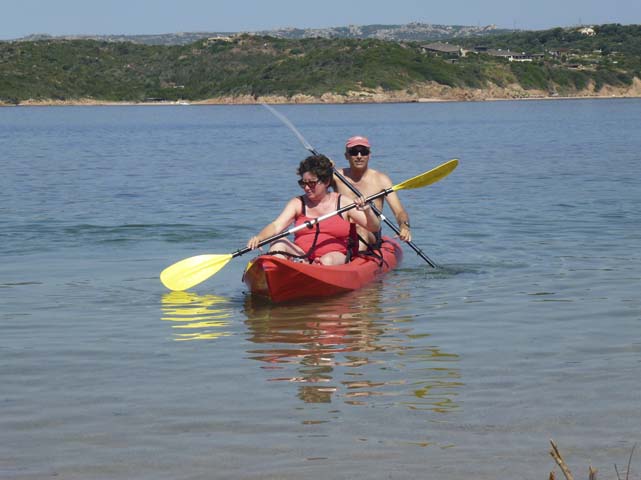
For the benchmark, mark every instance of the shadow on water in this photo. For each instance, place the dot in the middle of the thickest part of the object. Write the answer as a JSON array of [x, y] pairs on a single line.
[[355, 348], [446, 271], [442, 271]]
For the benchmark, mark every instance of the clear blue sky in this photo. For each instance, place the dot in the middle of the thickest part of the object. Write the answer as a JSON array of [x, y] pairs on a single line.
[[59, 17]]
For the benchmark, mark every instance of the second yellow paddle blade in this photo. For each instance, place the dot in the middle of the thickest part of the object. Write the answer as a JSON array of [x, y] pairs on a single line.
[[427, 178], [192, 271]]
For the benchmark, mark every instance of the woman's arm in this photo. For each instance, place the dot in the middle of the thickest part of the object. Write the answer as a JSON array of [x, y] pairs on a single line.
[[364, 216], [279, 225]]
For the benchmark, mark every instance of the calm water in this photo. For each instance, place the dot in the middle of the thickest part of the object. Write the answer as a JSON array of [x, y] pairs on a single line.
[[530, 331]]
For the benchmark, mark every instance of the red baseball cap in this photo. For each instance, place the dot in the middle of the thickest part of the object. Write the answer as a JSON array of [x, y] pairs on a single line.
[[357, 140]]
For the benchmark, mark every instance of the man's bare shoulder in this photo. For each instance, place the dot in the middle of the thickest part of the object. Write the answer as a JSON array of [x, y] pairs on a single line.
[[378, 178], [372, 181]]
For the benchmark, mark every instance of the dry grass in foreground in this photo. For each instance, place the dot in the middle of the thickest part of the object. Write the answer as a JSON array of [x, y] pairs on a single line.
[[592, 472]]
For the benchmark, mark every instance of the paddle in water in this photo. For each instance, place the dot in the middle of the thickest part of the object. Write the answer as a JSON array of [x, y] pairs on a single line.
[[349, 184], [194, 270]]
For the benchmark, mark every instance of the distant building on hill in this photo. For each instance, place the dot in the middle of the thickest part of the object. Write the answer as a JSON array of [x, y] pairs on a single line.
[[514, 56], [450, 50], [589, 31], [445, 49], [223, 38]]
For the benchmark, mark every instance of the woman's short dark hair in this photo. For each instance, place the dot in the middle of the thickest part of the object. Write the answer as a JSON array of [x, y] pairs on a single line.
[[319, 165]]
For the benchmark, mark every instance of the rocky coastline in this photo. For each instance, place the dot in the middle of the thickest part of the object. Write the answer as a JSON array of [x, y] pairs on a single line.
[[420, 93]]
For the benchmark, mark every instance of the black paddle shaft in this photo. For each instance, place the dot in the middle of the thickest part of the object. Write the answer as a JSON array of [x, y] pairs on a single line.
[[380, 214]]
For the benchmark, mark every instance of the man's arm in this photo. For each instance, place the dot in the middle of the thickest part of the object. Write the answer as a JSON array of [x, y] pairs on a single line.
[[402, 217], [338, 185]]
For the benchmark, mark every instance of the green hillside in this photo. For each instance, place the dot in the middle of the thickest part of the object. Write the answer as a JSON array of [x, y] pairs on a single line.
[[257, 66], [610, 38]]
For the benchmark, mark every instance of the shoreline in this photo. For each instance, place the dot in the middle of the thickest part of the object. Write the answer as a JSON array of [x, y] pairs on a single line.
[[230, 101], [423, 93]]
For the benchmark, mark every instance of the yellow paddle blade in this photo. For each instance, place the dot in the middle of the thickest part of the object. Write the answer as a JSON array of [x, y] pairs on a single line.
[[429, 177], [193, 270]]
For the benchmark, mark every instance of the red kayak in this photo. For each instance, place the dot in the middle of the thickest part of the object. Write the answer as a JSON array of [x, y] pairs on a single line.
[[281, 280]]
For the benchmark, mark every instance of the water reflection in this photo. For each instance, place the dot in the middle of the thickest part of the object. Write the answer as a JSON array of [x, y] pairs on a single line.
[[197, 317], [352, 349]]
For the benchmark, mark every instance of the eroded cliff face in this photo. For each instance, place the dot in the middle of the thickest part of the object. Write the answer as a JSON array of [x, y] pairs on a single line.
[[434, 92], [425, 92]]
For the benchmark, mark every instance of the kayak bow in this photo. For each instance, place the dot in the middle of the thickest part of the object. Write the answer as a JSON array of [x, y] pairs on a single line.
[[282, 280]]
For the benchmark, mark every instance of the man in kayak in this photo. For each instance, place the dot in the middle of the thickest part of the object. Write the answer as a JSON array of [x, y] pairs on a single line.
[[368, 182], [328, 241]]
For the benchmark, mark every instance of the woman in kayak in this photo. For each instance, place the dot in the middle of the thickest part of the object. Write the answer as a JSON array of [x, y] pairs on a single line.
[[328, 241]]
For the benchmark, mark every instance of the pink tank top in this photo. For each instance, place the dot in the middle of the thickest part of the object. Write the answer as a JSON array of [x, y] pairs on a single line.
[[332, 237]]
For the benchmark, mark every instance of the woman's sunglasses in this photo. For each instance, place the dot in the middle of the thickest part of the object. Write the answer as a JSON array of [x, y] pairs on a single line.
[[308, 183], [354, 151]]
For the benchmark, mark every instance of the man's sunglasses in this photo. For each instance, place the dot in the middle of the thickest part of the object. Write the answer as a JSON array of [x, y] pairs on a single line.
[[309, 183], [354, 151]]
